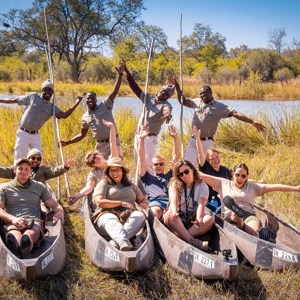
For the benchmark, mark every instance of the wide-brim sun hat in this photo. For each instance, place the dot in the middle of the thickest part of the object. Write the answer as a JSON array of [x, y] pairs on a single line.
[[116, 162]]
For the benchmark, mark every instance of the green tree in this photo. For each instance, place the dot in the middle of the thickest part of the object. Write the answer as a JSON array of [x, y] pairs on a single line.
[[75, 26], [205, 46]]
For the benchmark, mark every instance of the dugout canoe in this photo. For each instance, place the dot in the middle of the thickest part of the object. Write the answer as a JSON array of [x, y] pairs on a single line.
[[283, 249], [215, 265], [106, 257], [48, 259]]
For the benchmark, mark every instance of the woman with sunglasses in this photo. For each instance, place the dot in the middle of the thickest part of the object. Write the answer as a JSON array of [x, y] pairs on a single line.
[[187, 200], [239, 195], [97, 162]]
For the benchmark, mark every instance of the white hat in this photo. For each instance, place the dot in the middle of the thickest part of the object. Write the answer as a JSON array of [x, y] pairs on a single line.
[[47, 84], [34, 151]]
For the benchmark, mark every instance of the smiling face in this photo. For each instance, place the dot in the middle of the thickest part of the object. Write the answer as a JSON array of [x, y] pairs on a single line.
[[158, 165], [162, 95], [115, 173], [240, 177], [47, 93], [99, 161], [214, 160], [206, 94], [91, 101], [23, 172], [35, 161]]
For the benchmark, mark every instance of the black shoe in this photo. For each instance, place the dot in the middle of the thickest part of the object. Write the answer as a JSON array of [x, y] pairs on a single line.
[[12, 244], [229, 203], [264, 234], [25, 247]]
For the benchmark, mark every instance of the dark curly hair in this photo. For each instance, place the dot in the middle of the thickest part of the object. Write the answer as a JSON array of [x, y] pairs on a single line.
[[125, 180], [177, 181]]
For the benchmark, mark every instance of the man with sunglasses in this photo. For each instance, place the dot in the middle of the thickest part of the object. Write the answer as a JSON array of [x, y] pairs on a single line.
[[39, 173], [156, 184], [207, 114], [38, 110], [93, 117]]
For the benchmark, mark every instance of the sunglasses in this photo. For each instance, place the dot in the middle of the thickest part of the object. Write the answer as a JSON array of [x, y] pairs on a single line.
[[38, 158], [240, 175], [158, 164], [185, 172]]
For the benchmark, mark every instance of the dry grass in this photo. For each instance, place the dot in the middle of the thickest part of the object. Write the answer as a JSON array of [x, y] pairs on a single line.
[[271, 156]]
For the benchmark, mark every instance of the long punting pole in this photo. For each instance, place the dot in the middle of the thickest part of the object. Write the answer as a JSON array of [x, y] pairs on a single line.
[[181, 87], [144, 105], [56, 127]]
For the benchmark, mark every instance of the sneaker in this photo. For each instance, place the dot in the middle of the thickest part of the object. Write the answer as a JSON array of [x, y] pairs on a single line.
[[264, 234], [202, 245], [125, 245], [229, 203], [114, 244]]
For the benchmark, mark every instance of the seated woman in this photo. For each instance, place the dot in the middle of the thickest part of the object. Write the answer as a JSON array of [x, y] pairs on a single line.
[[96, 160], [116, 197], [211, 164], [239, 195], [187, 200]]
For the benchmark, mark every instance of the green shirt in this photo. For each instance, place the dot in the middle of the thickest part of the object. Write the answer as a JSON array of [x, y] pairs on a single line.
[[23, 200]]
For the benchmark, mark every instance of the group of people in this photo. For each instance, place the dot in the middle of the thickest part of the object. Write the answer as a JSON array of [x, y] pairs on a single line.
[[177, 196]]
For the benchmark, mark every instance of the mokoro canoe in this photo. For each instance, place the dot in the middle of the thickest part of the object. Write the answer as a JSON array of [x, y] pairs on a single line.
[[48, 259], [283, 249], [108, 258], [217, 264]]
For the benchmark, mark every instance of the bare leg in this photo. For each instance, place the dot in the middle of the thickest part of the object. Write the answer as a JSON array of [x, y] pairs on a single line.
[[157, 211], [207, 224], [177, 227]]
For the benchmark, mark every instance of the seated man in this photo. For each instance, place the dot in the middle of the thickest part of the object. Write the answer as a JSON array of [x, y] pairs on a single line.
[[156, 185], [20, 209]]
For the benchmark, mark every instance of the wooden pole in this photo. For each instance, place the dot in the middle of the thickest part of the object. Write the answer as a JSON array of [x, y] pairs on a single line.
[[181, 87]]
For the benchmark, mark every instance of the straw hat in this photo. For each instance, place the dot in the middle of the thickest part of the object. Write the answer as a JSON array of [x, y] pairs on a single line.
[[116, 162]]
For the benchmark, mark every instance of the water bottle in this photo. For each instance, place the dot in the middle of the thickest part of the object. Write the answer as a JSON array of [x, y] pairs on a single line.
[[214, 202]]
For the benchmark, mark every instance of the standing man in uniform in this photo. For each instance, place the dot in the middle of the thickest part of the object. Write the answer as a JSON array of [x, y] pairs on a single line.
[[207, 115], [38, 110], [157, 111], [93, 119]]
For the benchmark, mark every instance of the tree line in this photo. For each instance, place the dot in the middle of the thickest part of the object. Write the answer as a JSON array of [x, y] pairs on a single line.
[[80, 31]]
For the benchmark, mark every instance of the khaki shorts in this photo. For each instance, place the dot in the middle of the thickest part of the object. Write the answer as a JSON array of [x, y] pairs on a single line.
[[39, 223]]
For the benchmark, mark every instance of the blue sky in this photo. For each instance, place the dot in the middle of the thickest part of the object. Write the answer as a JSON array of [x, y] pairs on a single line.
[[241, 22]]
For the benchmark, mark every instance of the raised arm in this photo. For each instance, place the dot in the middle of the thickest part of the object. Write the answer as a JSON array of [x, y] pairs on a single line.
[[60, 170], [8, 100], [186, 102], [173, 201], [240, 116], [81, 135], [132, 83], [115, 91], [200, 152], [64, 115], [280, 188], [176, 144], [83, 192], [112, 138], [142, 162]]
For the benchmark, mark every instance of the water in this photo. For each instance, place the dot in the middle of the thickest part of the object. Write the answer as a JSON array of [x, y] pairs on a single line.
[[251, 108]]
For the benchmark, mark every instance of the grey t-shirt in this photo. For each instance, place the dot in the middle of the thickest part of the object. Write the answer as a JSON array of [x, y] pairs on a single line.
[[23, 200], [93, 119], [154, 113], [244, 197], [37, 111], [95, 175], [118, 192], [207, 116]]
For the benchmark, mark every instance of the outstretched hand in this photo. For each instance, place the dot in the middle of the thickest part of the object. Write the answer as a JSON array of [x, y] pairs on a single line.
[[172, 80], [259, 126], [62, 143], [70, 162]]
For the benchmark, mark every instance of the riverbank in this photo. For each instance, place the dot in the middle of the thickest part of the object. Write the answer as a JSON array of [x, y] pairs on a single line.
[[245, 91]]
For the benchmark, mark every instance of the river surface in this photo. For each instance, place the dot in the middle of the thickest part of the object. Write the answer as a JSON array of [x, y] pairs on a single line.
[[274, 109]]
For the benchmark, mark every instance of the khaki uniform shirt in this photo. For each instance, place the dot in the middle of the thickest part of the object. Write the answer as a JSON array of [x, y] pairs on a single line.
[[207, 116], [93, 119], [37, 111]]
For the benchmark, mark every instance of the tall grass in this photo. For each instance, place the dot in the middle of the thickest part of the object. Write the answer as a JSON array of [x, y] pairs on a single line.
[[272, 156]]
